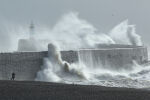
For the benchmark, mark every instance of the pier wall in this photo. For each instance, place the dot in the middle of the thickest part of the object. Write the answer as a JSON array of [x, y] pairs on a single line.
[[26, 64]]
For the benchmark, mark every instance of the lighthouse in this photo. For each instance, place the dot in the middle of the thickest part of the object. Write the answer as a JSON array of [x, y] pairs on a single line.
[[31, 30]]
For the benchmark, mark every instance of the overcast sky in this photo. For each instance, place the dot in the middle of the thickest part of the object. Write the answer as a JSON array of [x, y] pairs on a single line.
[[103, 14]]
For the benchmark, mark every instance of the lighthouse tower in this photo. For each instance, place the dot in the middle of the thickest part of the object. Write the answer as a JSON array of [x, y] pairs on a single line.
[[31, 30]]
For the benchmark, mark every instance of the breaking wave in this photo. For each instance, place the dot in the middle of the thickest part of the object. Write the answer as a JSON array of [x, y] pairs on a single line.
[[57, 70], [72, 33]]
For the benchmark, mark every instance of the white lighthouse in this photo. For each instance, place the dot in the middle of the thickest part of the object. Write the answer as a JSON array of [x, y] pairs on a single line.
[[31, 30], [29, 44]]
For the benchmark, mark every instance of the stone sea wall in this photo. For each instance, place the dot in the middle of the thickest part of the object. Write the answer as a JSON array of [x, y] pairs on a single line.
[[114, 58], [26, 64]]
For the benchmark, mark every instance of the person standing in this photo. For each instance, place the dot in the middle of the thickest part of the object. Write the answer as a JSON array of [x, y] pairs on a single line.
[[13, 76]]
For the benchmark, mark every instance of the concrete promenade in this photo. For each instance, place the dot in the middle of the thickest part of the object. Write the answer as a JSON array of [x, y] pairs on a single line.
[[30, 90]]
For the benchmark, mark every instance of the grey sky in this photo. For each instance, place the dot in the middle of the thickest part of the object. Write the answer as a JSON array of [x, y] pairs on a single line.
[[103, 14]]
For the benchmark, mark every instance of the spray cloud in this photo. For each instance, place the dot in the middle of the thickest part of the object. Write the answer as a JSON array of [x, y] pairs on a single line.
[[125, 34], [77, 33]]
